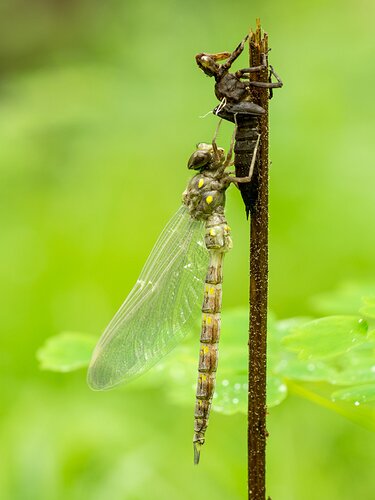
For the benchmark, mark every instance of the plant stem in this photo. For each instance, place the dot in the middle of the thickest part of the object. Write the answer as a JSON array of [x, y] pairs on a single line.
[[257, 432]]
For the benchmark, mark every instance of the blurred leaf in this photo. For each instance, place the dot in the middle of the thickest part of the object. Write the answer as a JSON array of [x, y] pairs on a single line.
[[335, 350], [277, 391], [285, 363], [66, 352], [368, 308], [321, 395], [326, 337], [357, 366], [356, 394], [305, 371], [231, 395], [277, 330], [345, 300], [232, 388]]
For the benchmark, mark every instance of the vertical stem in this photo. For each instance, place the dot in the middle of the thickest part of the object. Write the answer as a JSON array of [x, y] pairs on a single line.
[[257, 410]]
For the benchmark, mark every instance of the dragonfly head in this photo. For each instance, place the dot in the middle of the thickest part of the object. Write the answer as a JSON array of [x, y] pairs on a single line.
[[207, 64], [203, 158]]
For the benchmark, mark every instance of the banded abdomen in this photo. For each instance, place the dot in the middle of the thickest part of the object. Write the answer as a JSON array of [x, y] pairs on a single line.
[[218, 241]]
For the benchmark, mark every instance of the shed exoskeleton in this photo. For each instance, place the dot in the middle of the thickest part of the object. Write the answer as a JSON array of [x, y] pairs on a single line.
[[234, 91]]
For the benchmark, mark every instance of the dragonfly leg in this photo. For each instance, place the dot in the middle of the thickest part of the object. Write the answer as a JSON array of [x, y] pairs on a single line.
[[273, 72], [228, 160], [245, 72], [269, 84], [214, 144], [251, 169], [235, 54]]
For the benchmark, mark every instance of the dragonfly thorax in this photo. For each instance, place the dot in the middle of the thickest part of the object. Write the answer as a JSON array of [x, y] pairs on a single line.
[[205, 194]]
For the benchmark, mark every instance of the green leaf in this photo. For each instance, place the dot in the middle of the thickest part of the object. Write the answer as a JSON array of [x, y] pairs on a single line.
[[345, 300], [304, 370], [357, 394], [66, 352], [326, 337], [321, 394], [233, 347], [231, 395], [232, 387], [357, 366], [277, 330], [277, 391], [285, 363], [180, 370], [368, 308], [334, 350]]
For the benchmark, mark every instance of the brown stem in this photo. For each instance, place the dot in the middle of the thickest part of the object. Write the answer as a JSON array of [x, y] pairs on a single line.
[[257, 432]]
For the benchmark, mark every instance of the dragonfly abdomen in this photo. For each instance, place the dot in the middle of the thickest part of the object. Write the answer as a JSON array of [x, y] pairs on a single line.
[[218, 242], [246, 139], [246, 116]]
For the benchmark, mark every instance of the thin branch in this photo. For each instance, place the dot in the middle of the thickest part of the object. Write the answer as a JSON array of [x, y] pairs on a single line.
[[257, 432]]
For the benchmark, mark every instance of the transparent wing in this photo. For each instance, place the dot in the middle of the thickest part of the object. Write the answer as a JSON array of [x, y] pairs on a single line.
[[159, 309]]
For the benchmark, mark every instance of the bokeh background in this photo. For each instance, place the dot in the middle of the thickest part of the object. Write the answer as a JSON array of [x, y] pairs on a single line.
[[100, 106]]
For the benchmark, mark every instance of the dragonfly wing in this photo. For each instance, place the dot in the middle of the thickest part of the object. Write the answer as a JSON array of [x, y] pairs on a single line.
[[159, 309]]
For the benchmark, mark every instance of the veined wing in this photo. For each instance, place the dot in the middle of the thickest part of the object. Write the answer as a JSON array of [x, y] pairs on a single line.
[[158, 311]]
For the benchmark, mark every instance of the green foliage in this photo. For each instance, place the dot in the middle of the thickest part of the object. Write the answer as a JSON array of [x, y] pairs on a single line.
[[356, 394], [347, 299], [66, 352], [368, 307], [319, 354], [326, 337]]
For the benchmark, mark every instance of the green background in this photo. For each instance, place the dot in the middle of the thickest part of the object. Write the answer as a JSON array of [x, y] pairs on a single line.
[[100, 109]]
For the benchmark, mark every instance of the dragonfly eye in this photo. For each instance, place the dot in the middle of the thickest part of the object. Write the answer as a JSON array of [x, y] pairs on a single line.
[[199, 159]]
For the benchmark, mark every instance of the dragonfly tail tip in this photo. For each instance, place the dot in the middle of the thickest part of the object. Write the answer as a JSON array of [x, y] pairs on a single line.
[[197, 452]]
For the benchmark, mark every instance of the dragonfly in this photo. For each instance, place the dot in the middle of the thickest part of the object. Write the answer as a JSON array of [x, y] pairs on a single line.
[[185, 268], [234, 91]]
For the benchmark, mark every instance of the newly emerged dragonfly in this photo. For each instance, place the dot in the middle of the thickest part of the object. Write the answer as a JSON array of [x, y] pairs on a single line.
[[183, 269]]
